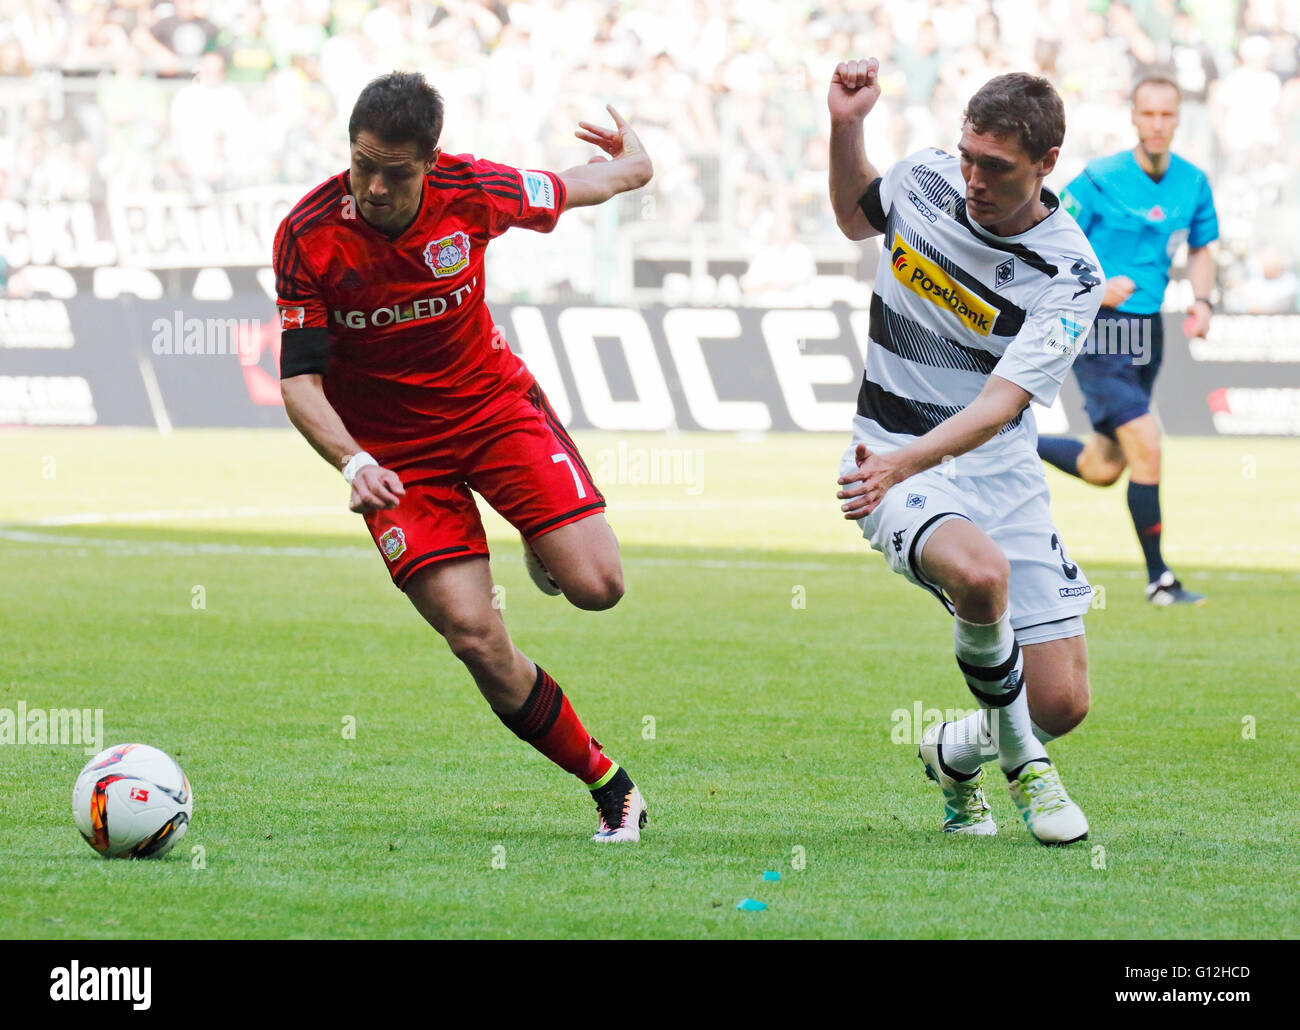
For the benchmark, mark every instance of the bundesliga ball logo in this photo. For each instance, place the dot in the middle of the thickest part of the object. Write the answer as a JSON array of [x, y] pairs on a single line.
[[448, 255]]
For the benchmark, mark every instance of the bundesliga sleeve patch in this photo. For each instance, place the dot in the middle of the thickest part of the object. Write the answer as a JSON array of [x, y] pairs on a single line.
[[540, 189]]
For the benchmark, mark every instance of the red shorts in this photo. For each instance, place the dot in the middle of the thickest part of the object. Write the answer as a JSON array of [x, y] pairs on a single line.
[[522, 462]]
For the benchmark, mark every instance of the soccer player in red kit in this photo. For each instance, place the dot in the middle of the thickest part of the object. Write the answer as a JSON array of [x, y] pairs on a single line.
[[392, 369]]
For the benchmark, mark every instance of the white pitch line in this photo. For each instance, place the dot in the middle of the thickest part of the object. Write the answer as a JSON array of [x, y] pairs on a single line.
[[248, 511], [172, 548], [147, 548], [97, 518]]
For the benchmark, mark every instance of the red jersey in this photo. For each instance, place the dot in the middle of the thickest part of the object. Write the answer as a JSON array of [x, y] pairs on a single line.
[[413, 350]]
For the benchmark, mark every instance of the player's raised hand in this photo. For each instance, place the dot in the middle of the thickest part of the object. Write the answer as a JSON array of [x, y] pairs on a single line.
[[855, 88], [621, 143], [376, 489], [866, 487]]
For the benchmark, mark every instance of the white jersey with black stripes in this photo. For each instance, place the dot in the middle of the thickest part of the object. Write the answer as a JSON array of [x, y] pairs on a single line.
[[954, 304]]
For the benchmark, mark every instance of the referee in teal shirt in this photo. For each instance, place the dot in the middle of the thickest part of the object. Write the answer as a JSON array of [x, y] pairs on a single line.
[[1137, 208]]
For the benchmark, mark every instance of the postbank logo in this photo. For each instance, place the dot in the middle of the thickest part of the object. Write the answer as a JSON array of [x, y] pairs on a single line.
[[926, 279]]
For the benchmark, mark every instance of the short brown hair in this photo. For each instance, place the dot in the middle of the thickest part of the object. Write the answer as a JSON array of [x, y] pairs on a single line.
[[1155, 79], [1020, 105]]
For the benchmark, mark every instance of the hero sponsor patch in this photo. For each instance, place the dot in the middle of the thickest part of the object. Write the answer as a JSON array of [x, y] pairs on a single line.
[[540, 190], [1064, 336]]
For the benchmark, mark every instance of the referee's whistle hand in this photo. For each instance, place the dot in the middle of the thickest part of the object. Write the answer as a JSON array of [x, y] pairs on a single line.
[[376, 489]]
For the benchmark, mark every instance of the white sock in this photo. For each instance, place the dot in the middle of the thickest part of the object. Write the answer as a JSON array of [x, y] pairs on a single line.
[[990, 660], [967, 744], [1042, 735]]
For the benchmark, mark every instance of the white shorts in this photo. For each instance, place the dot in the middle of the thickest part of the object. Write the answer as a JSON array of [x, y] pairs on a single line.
[[1012, 508]]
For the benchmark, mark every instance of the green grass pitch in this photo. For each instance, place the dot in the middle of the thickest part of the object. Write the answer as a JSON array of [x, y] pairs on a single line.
[[210, 593]]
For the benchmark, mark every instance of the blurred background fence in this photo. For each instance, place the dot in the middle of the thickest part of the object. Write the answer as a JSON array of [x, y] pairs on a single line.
[[148, 150]]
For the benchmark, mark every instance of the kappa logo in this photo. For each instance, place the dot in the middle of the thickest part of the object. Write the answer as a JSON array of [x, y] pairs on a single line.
[[1004, 273], [898, 542], [292, 318], [449, 255], [920, 206], [393, 544], [916, 500], [927, 279], [1085, 273]]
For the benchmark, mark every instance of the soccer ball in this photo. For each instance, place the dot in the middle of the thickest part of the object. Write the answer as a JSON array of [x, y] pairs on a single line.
[[132, 801]]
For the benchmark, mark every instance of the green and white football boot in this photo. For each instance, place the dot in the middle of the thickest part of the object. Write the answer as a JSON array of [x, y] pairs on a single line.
[[1046, 808], [965, 809]]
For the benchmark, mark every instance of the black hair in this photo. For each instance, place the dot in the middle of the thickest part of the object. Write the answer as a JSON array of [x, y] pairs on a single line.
[[399, 107], [1020, 105]]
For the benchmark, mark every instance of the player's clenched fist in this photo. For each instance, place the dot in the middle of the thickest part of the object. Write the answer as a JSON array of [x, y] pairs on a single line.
[[855, 88], [376, 489]]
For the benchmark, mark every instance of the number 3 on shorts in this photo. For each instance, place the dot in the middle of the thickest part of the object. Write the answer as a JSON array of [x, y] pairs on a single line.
[[556, 459]]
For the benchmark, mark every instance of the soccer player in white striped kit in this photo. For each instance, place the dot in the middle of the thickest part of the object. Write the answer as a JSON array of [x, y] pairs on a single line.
[[986, 291]]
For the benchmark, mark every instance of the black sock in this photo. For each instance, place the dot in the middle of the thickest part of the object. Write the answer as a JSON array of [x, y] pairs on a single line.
[[1144, 506]]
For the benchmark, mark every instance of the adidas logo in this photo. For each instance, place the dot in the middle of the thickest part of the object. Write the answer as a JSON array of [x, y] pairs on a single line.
[[350, 280]]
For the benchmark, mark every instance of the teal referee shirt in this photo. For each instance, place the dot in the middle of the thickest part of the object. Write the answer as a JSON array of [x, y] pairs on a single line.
[[1136, 224]]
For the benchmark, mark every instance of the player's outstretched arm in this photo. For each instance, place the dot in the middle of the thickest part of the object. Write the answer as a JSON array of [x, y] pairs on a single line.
[[374, 488], [997, 404], [855, 88], [627, 168]]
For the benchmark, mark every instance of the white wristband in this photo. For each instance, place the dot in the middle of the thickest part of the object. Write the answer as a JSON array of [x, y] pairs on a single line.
[[355, 464]]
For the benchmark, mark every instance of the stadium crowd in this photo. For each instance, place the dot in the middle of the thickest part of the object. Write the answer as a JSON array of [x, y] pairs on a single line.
[[205, 96]]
